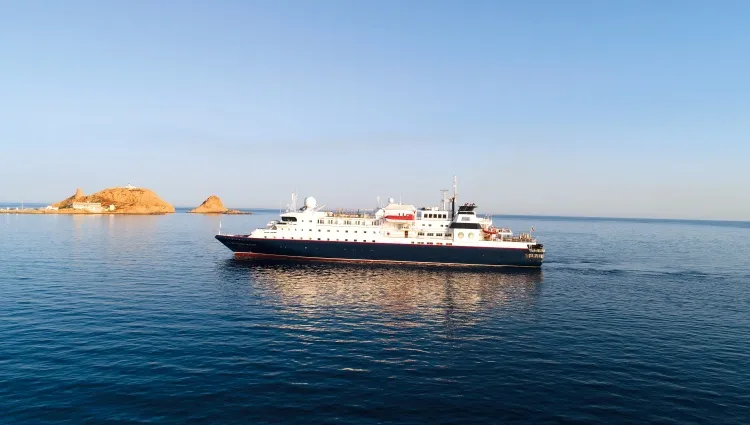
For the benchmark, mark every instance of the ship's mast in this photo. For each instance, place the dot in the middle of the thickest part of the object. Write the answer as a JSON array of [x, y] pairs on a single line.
[[293, 205], [454, 198], [443, 198]]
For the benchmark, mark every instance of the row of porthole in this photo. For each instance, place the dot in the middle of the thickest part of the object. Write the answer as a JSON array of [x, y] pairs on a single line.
[[461, 235]]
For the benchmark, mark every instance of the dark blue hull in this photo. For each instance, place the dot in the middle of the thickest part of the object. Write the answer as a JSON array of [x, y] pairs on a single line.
[[244, 246]]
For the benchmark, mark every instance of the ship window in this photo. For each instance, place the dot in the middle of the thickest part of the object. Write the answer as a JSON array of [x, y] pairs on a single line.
[[429, 243], [355, 231], [449, 243], [373, 240], [310, 230], [430, 234], [346, 240], [420, 234], [346, 231], [329, 230], [310, 221], [412, 242], [439, 243], [288, 218], [355, 240], [318, 238], [364, 231], [319, 230], [438, 234], [430, 224]]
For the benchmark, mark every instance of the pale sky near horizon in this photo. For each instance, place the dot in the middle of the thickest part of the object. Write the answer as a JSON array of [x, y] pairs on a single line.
[[589, 108]]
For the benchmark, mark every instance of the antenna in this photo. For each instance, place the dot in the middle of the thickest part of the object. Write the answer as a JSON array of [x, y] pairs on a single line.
[[443, 198]]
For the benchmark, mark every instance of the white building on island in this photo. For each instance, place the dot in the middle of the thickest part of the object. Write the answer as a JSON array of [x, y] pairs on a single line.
[[88, 206]]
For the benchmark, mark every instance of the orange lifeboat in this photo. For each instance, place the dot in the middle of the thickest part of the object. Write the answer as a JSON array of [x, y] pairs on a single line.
[[400, 218], [490, 231]]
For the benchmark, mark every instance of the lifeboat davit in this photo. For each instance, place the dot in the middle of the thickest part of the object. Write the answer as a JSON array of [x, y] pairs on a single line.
[[400, 218]]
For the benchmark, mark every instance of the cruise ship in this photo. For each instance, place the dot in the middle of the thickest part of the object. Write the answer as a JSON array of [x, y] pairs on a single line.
[[395, 233]]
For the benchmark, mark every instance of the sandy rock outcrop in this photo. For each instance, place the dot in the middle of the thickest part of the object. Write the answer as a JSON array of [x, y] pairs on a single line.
[[212, 205], [65, 203], [125, 200]]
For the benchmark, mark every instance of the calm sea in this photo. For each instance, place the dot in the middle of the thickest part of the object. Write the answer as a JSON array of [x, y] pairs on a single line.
[[148, 319]]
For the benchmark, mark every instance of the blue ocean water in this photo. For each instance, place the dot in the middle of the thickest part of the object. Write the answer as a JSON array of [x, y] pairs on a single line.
[[148, 319]]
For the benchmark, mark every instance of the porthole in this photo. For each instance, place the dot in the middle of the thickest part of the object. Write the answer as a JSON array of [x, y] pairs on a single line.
[[471, 235], [460, 235]]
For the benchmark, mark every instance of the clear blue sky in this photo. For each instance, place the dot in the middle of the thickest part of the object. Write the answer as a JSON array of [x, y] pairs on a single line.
[[629, 108]]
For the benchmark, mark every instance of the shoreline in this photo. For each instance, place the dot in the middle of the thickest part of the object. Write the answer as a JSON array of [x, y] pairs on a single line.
[[83, 212], [76, 212]]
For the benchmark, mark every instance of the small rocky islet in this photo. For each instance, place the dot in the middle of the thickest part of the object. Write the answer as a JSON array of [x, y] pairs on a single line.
[[213, 205]]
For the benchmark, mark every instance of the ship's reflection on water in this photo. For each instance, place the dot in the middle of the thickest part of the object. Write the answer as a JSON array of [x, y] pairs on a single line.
[[405, 291]]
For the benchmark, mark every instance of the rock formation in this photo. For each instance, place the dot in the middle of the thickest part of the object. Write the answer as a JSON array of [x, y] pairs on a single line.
[[65, 203], [126, 201], [213, 205]]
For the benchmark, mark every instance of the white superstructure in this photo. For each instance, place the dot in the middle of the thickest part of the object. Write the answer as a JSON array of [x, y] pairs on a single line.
[[395, 223]]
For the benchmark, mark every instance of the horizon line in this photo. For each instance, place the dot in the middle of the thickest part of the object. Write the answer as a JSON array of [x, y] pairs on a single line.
[[589, 217]]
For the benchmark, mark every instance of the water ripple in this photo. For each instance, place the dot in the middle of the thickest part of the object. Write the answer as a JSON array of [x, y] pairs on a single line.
[[148, 320]]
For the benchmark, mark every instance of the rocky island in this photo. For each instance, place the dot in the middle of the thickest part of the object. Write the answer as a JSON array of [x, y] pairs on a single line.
[[118, 200], [213, 205]]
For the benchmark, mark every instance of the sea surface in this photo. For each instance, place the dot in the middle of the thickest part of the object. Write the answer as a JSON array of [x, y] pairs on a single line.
[[148, 319]]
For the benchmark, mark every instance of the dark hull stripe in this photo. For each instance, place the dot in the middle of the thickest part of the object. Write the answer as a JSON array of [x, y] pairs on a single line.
[[360, 260], [244, 246]]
